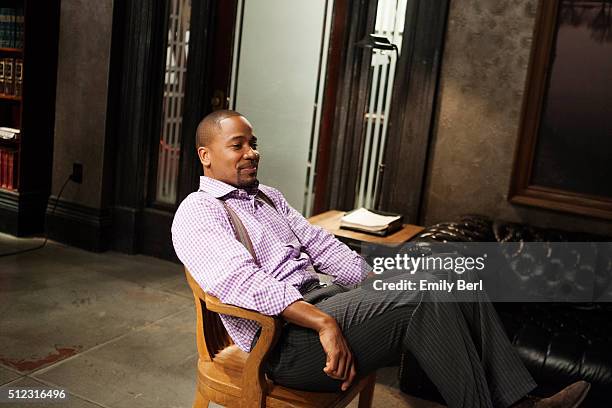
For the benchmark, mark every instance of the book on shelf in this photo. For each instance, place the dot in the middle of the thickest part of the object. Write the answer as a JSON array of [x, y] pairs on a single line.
[[11, 76], [19, 25], [371, 221], [7, 169], [3, 169], [5, 22], [11, 27], [18, 88], [7, 26], [8, 76]]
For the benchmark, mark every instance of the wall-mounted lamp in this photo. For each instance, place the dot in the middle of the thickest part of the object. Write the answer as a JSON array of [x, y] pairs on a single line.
[[377, 42]]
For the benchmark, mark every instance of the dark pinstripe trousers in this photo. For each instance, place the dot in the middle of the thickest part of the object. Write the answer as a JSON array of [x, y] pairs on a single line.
[[456, 337]]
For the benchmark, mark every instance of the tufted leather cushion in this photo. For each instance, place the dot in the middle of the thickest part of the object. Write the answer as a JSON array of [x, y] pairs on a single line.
[[558, 342]]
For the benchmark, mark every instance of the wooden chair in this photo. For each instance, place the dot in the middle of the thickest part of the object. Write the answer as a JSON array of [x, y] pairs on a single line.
[[230, 377]]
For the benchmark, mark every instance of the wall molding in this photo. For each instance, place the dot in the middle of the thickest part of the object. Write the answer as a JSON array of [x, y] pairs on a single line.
[[79, 225], [126, 224], [9, 200], [21, 213]]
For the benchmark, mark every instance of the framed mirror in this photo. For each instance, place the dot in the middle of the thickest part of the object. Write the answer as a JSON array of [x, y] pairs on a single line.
[[563, 158]]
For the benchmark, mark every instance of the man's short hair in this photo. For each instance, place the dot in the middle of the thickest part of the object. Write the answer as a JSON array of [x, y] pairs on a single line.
[[210, 126]]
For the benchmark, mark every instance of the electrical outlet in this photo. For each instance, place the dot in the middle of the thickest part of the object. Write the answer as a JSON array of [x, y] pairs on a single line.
[[77, 173]]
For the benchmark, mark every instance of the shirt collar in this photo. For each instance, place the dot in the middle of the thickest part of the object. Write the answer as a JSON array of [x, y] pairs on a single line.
[[219, 189]]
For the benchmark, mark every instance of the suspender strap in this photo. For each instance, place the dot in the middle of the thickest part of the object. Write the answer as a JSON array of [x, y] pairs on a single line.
[[241, 232], [265, 199]]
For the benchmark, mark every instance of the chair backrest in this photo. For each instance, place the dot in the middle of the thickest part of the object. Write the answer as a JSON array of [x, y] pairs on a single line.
[[211, 335]]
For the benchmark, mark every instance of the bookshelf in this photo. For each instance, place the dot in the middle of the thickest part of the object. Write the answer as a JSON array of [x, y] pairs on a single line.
[[28, 69]]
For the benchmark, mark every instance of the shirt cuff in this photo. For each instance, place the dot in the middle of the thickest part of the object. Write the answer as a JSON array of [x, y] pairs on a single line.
[[271, 300], [352, 275]]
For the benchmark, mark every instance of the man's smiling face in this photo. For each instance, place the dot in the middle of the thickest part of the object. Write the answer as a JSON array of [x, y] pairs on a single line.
[[232, 155]]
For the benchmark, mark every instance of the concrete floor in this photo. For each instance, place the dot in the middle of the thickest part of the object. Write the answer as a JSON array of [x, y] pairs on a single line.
[[113, 330]]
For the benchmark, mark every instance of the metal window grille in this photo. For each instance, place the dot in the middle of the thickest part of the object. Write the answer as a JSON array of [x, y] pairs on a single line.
[[390, 17], [174, 92]]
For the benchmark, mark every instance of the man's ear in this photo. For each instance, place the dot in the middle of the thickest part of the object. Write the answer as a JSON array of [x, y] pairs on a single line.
[[204, 155]]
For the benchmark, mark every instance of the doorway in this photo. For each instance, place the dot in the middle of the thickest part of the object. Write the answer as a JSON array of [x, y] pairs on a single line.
[[172, 64]]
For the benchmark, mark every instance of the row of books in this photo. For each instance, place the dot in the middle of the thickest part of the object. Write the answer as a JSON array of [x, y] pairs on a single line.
[[11, 27], [11, 76], [8, 165]]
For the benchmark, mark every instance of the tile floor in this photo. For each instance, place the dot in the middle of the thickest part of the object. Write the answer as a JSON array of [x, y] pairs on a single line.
[[114, 330]]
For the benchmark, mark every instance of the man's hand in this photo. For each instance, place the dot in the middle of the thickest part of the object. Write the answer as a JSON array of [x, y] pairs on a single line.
[[340, 363]]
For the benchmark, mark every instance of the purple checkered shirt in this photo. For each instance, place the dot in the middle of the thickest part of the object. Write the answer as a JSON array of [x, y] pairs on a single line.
[[205, 242]]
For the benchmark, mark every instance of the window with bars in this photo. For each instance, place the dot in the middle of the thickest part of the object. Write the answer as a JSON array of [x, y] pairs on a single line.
[[390, 15], [174, 92]]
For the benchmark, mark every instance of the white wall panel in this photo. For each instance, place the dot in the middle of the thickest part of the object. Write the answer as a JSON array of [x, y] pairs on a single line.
[[276, 86]]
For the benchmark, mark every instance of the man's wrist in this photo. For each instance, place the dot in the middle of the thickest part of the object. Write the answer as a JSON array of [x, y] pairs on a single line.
[[326, 322], [306, 315]]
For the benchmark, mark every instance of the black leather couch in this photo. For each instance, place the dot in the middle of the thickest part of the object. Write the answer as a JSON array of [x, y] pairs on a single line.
[[558, 342]]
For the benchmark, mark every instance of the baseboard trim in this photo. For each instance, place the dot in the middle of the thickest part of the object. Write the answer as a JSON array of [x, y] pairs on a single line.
[[22, 213], [126, 221], [79, 225], [145, 231]]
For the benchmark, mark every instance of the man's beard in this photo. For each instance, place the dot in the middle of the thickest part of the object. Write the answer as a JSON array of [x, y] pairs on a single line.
[[241, 182], [247, 183]]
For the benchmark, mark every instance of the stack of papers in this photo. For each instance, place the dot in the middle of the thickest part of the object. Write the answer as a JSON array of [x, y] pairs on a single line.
[[371, 222], [8, 133]]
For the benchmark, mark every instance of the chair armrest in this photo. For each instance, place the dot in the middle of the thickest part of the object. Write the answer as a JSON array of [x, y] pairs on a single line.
[[254, 383], [215, 305]]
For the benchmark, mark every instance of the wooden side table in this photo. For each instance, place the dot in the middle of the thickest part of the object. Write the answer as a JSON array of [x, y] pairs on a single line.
[[330, 221]]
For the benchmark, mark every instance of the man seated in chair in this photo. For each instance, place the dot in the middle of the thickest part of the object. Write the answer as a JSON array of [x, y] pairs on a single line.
[[332, 333]]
